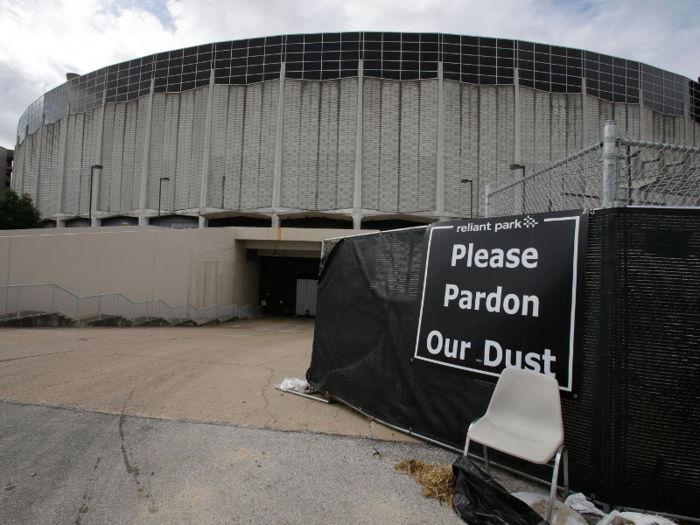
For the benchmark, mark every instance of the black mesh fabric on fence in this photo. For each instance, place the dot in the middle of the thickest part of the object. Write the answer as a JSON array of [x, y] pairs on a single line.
[[633, 432]]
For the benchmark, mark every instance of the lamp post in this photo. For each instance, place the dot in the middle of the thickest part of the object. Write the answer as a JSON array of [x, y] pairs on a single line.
[[223, 193], [471, 196], [520, 167], [92, 173], [160, 189]]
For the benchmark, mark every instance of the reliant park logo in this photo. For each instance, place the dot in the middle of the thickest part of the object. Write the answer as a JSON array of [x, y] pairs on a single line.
[[527, 222]]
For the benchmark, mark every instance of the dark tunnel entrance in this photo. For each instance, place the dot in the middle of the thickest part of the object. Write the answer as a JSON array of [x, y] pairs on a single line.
[[288, 285]]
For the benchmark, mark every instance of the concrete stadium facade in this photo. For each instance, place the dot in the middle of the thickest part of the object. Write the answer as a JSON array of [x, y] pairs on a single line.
[[334, 130]]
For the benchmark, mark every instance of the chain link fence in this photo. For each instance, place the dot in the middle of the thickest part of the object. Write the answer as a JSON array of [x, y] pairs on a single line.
[[657, 174], [615, 172]]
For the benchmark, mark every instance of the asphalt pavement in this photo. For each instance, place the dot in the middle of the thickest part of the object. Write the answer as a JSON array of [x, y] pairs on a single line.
[[67, 466]]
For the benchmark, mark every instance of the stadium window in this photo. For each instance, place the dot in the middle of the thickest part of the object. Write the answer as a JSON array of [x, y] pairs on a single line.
[[331, 46], [330, 75]]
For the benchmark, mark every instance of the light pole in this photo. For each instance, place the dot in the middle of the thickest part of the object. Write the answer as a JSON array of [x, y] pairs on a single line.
[[160, 189], [471, 196], [520, 167], [92, 172], [223, 187]]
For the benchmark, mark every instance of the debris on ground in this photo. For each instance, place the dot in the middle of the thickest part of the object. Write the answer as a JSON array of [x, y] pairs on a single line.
[[577, 506], [634, 518], [580, 504], [480, 500], [563, 515], [438, 482], [293, 384]]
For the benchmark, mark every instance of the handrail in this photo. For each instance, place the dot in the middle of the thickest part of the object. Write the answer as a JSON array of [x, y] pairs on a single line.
[[103, 307]]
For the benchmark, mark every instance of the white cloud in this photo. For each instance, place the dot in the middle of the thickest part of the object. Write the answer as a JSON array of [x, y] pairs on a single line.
[[43, 39]]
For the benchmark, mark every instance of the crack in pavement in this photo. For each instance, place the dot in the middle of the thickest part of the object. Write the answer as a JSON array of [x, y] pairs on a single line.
[[81, 511], [264, 394], [86, 497], [134, 470], [40, 355]]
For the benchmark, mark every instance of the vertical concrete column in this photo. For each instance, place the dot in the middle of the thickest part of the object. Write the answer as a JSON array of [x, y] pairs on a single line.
[[98, 158], [13, 179], [277, 176], [62, 178], [440, 186], [585, 137], [357, 194], [24, 160], [518, 144], [642, 124], [608, 184], [38, 160], [204, 189], [143, 221]]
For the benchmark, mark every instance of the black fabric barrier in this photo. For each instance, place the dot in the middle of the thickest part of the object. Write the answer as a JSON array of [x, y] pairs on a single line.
[[633, 431]]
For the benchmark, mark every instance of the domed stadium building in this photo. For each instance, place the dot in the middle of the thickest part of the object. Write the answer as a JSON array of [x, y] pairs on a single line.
[[333, 130]]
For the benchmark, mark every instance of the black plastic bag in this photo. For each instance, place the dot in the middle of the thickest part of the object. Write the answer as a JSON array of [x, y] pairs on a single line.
[[479, 500]]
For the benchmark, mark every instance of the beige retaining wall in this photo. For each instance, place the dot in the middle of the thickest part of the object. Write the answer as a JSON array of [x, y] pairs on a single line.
[[199, 266]]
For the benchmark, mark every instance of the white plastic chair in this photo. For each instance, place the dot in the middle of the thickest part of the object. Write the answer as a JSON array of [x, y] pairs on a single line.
[[524, 420]]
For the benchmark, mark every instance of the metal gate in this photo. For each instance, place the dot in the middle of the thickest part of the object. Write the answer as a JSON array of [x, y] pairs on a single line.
[[306, 296]]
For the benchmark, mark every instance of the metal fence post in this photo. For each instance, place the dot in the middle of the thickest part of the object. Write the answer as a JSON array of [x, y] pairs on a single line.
[[53, 298], [78, 309], [488, 190], [608, 184], [118, 304], [19, 290]]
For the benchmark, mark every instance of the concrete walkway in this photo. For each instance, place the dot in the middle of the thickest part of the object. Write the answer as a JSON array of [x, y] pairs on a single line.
[[219, 374]]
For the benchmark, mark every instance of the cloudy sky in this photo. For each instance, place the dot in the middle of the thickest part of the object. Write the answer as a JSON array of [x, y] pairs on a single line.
[[41, 40]]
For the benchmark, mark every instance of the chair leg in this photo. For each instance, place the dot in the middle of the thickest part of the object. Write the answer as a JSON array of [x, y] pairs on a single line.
[[466, 444], [566, 473], [555, 479], [487, 467]]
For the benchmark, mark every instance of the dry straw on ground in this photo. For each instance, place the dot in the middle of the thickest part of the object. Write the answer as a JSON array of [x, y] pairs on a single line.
[[438, 482]]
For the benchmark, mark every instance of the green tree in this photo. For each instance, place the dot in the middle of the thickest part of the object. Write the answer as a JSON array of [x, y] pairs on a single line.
[[18, 212]]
